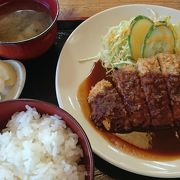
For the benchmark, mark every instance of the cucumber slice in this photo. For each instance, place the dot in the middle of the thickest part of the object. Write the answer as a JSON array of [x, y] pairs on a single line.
[[159, 39], [138, 29], [176, 31]]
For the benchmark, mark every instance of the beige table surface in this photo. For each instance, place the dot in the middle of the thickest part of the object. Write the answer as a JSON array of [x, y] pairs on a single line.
[[82, 9]]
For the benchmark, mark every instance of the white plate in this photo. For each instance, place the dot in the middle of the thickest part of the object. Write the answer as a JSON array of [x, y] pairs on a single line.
[[15, 91], [85, 42]]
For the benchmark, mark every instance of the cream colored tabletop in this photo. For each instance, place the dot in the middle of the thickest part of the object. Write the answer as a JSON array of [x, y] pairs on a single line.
[[82, 9]]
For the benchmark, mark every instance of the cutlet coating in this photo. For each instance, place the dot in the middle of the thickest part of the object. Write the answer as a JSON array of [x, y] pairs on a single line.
[[148, 65], [128, 84], [155, 91], [170, 66], [169, 63], [99, 88], [106, 103]]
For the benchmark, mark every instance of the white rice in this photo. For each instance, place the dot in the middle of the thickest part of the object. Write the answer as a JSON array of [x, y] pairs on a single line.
[[35, 147]]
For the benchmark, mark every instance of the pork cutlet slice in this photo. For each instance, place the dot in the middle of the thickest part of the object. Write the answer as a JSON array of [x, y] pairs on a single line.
[[170, 67], [107, 108], [128, 84], [155, 90]]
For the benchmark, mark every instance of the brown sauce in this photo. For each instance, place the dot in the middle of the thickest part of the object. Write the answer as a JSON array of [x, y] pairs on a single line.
[[165, 144], [22, 20]]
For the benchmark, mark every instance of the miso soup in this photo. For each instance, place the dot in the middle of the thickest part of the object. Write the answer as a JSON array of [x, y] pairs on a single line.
[[22, 20]]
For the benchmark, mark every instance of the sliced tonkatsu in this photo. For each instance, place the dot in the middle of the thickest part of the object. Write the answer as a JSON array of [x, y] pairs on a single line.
[[128, 85], [140, 97], [170, 67], [107, 108], [155, 90]]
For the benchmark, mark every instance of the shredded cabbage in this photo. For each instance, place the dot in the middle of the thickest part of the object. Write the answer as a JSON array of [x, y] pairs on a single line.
[[116, 49]]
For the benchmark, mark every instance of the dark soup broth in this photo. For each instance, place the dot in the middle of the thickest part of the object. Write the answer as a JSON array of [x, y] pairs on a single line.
[[162, 145], [21, 20]]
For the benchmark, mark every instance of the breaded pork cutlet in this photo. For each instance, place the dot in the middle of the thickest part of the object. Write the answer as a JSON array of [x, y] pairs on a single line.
[[155, 89], [107, 108], [142, 97], [128, 84], [170, 67]]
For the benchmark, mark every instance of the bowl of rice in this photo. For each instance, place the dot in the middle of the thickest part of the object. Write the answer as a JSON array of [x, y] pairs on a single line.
[[41, 141]]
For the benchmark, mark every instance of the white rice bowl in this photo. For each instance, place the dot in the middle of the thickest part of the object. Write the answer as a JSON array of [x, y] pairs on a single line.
[[34, 147]]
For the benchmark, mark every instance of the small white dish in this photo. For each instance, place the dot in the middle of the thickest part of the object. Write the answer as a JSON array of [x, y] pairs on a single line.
[[15, 91]]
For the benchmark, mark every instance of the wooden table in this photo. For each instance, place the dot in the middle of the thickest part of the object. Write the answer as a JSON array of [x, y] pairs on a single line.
[[81, 10]]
